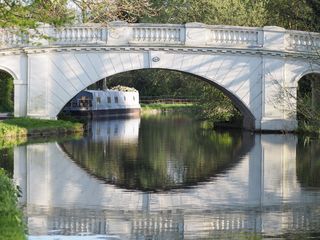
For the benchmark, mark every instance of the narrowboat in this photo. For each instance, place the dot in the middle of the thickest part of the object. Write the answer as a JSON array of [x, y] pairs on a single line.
[[104, 103]]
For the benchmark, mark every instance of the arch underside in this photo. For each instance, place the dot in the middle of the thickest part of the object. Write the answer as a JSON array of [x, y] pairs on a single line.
[[238, 77]]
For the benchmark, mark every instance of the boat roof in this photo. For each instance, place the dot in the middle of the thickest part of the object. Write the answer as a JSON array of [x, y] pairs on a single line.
[[106, 91]]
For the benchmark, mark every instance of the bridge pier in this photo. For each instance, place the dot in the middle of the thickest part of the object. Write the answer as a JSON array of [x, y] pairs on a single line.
[[20, 98]]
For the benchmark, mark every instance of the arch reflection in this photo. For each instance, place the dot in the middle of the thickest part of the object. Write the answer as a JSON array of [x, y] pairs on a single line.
[[158, 153]]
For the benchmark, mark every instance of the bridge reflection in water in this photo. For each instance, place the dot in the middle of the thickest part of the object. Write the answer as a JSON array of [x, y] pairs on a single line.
[[259, 193]]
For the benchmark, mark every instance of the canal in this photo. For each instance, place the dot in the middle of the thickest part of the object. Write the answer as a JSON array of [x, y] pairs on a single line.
[[165, 177]]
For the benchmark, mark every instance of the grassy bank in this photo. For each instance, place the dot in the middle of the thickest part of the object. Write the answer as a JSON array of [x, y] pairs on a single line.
[[11, 225], [22, 127], [308, 129]]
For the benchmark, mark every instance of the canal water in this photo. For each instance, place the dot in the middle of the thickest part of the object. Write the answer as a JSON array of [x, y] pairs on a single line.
[[165, 177]]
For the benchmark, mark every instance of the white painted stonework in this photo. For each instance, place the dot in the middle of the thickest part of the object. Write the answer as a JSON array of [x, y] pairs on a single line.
[[253, 66]]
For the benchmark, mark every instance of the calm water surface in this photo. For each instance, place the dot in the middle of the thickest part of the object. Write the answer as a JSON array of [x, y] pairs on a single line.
[[164, 177]]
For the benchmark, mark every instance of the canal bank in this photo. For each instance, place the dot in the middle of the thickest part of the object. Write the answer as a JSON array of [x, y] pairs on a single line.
[[16, 128]]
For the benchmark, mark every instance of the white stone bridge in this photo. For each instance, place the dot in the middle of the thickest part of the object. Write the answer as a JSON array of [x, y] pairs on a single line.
[[258, 68]]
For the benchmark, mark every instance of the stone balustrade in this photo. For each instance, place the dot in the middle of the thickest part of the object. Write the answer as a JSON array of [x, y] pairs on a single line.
[[157, 34], [190, 34], [252, 37], [302, 41], [9, 38], [78, 35]]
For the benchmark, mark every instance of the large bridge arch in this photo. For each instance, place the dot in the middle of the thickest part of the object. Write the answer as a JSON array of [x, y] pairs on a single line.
[[237, 77]]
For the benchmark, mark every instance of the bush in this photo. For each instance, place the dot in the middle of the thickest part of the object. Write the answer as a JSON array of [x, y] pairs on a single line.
[[11, 225]]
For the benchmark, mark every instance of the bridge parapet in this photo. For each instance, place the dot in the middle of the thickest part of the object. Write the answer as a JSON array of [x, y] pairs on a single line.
[[143, 34], [302, 41], [9, 38]]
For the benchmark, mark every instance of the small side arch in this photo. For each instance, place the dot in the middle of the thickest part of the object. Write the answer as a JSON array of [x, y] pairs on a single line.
[[305, 73], [9, 71], [7, 95]]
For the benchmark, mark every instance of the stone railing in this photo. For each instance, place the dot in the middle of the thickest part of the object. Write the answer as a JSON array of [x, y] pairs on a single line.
[[302, 41], [78, 35], [157, 34], [236, 36], [189, 35], [9, 38]]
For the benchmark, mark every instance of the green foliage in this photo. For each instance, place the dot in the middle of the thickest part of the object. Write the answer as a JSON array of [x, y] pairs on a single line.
[[294, 14], [228, 12], [215, 106], [107, 10], [11, 225], [28, 14], [290, 14], [308, 162], [6, 92]]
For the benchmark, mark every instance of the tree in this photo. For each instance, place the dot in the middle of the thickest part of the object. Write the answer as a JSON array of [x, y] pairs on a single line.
[[23, 15], [294, 14], [104, 11], [227, 12]]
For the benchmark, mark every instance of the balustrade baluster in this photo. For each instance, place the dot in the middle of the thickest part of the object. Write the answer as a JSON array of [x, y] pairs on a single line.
[[147, 35], [223, 36], [90, 35], [134, 37], [158, 34], [68, 35], [63, 35], [178, 35], [165, 34], [229, 37], [170, 35], [152, 32], [96, 34], [144, 34], [250, 38], [58, 36], [139, 34], [237, 37]]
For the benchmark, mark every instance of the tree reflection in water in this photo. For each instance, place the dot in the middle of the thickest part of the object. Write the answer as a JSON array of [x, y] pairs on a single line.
[[168, 152], [308, 162]]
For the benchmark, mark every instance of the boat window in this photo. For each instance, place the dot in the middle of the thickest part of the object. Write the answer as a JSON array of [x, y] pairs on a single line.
[[134, 98], [109, 99], [116, 100], [124, 98], [98, 100]]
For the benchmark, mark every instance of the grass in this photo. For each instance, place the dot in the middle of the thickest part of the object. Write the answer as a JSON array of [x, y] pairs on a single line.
[[22, 127], [11, 224]]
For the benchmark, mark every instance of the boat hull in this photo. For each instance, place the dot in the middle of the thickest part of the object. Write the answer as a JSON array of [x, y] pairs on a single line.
[[104, 113]]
